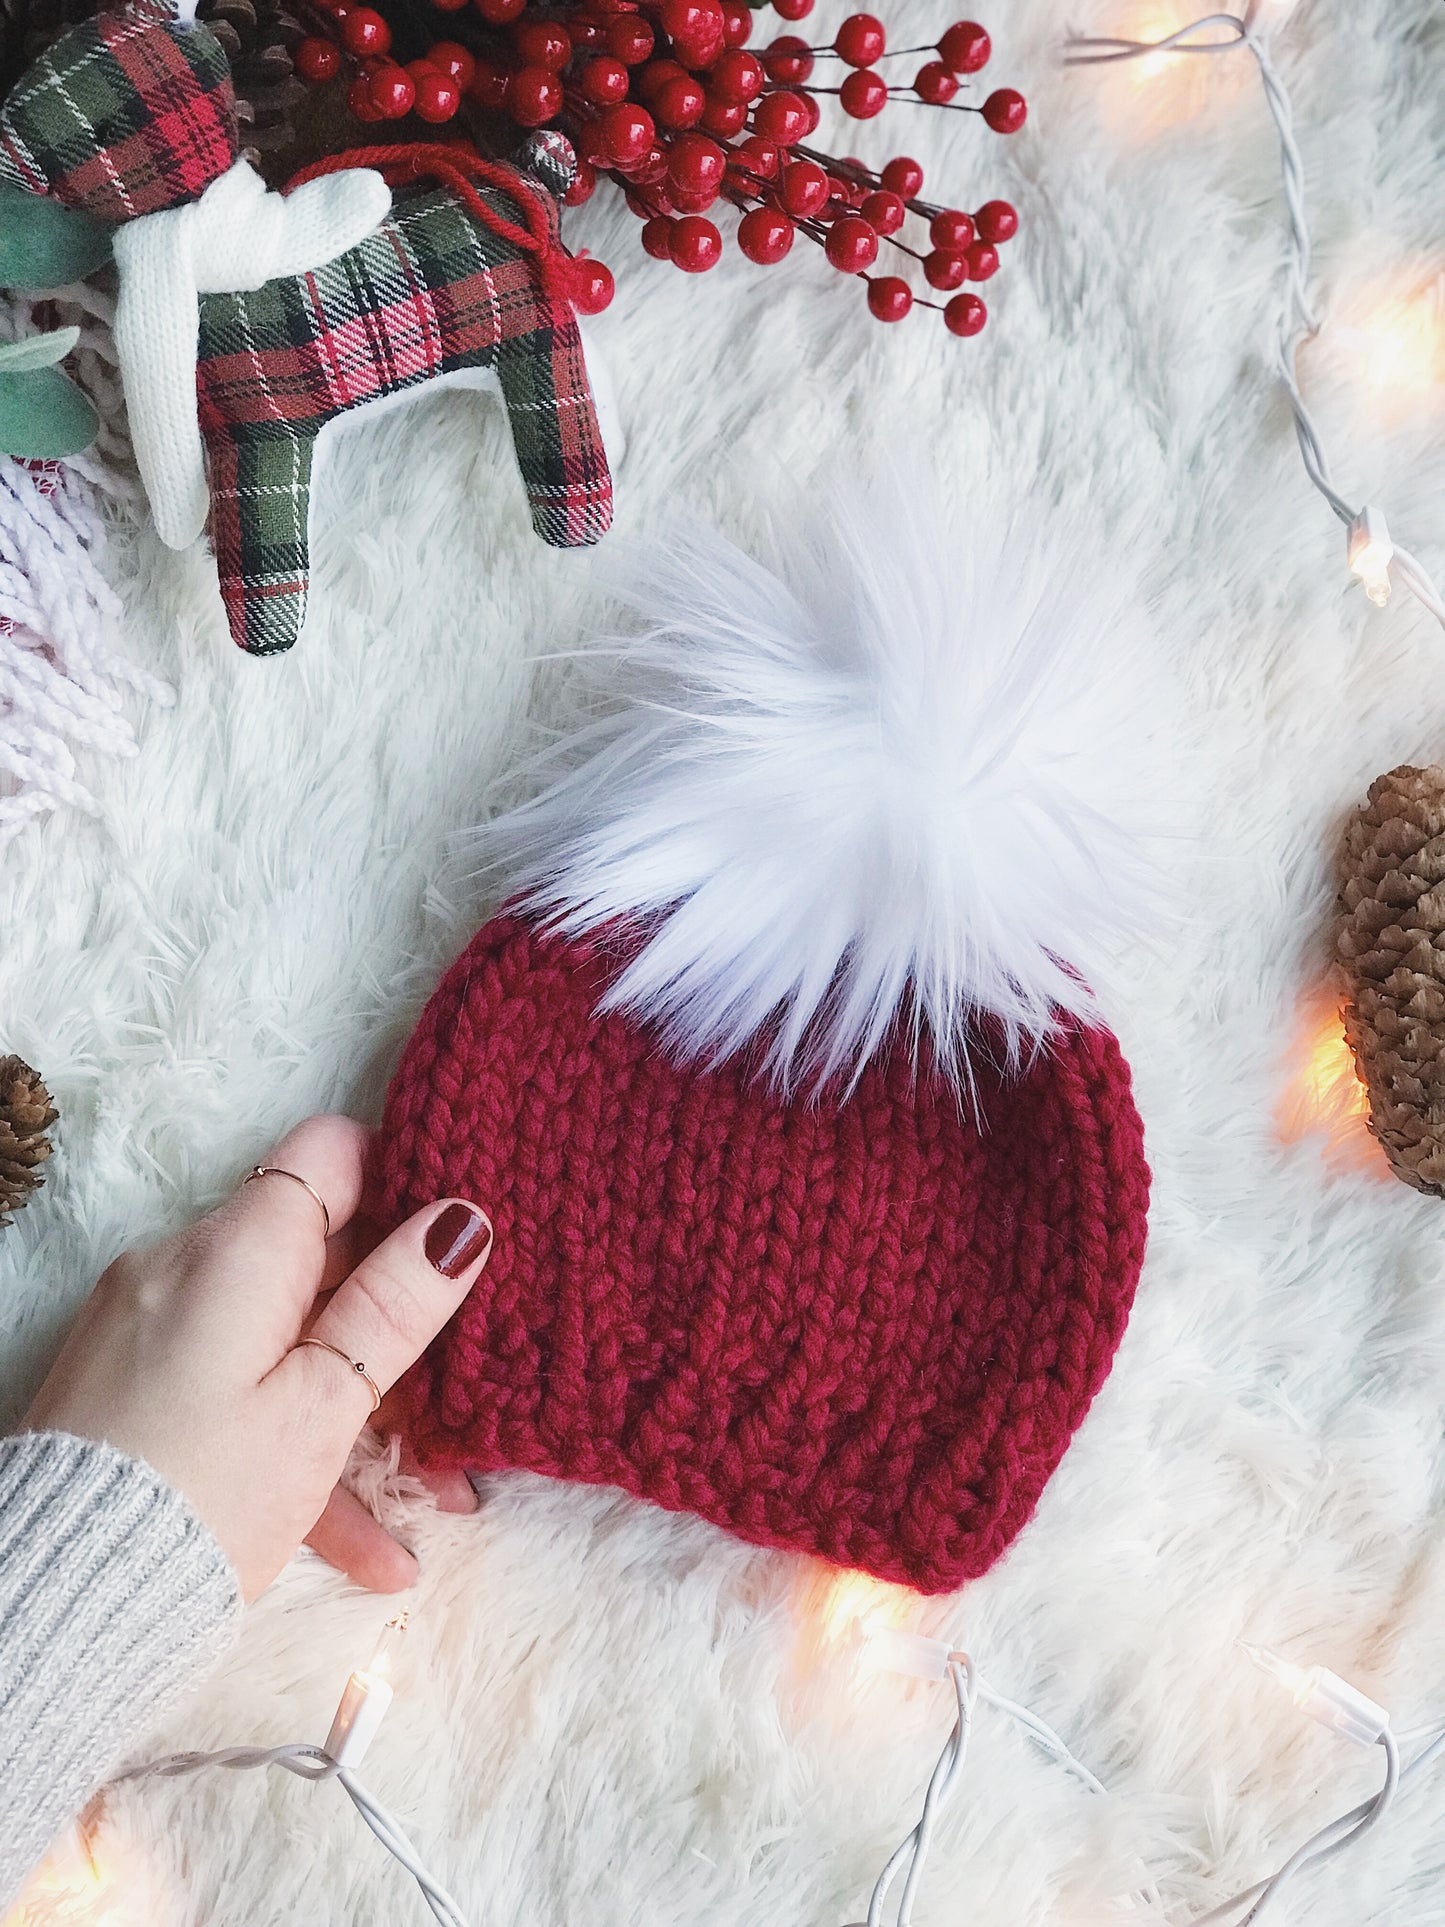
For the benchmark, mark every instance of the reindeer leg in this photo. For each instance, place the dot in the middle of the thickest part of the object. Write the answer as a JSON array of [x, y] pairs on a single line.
[[555, 433], [260, 512]]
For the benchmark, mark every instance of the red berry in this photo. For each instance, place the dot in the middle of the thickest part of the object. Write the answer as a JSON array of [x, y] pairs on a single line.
[[789, 59], [765, 236], [339, 13], [754, 158], [952, 230], [317, 59], [590, 285], [392, 91], [604, 81], [861, 40], [965, 47], [679, 103], [1006, 111], [449, 6], [365, 34], [997, 221], [630, 39], [450, 57], [437, 95], [649, 82], [542, 43], [889, 299], [359, 98], [804, 189], [724, 117], [738, 76], [534, 96], [680, 18], [935, 84], [584, 184], [964, 315], [696, 164], [626, 132], [904, 176], [695, 28], [737, 23], [695, 244], [982, 259], [499, 13], [863, 94], [781, 117], [793, 9], [851, 245], [586, 32], [491, 83], [650, 169], [944, 271], [657, 238], [884, 211]]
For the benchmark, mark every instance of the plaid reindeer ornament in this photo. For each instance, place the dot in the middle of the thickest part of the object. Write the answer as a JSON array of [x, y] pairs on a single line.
[[250, 325]]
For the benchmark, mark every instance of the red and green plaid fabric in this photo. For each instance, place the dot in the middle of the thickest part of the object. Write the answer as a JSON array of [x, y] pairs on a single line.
[[124, 115], [433, 292]]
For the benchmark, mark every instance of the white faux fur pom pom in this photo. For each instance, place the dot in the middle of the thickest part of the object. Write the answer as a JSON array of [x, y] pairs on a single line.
[[898, 780]]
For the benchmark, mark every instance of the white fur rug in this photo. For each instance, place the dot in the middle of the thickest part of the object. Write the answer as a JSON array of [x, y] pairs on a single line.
[[607, 1715]]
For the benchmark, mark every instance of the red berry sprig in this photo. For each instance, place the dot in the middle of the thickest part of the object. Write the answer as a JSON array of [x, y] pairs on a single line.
[[668, 99]]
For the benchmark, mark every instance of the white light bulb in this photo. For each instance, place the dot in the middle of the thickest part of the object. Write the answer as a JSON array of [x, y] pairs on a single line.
[[1343, 1708], [366, 1700], [882, 1648], [380, 1663], [1370, 554]]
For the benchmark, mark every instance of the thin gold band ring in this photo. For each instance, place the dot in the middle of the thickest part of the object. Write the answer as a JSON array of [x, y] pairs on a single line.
[[355, 1365], [279, 1171]]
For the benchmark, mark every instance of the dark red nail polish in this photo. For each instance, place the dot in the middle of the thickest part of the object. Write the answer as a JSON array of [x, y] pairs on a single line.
[[456, 1239]]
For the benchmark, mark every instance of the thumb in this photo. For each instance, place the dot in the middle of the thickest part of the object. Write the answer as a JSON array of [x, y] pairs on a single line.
[[387, 1312]]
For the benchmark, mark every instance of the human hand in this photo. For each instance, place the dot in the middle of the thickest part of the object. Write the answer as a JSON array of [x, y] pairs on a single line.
[[186, 1355]]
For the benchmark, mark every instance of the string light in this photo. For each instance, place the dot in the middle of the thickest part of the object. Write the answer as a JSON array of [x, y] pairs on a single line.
[[1373, 558], [363, 1705], [1326, 1697], [881, 1646], [70, 1890], [1317, 1691]]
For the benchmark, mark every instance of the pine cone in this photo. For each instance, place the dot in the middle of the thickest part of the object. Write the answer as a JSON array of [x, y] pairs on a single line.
[[26, 1114], [1390, 940], [259, 37]]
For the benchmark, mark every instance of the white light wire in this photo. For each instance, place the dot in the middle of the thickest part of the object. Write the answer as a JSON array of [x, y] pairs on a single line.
[[1330, 1839], [913, 1850], [313, 1763], [1298, 322]]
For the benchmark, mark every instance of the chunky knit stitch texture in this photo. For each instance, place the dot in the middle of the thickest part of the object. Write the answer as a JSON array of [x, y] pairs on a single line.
[[864, 1328]]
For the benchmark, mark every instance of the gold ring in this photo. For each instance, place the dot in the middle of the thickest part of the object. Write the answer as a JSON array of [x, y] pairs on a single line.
[[277, 1171], [355, 1364]]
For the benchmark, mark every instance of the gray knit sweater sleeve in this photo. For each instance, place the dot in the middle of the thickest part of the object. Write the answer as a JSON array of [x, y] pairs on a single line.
[[113, 1596]]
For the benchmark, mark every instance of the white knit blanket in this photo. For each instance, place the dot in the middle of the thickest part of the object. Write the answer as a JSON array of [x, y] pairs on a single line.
[[610, 1716]]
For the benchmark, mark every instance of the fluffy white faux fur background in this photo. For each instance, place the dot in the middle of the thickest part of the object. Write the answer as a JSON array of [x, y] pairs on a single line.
[[610, 1716]]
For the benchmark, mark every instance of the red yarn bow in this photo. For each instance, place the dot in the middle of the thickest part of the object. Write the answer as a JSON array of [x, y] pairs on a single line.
[[457, 166]]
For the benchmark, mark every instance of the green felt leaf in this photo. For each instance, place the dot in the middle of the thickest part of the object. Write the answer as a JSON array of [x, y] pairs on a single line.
[[46, 245], [37, 351], [43, 415]]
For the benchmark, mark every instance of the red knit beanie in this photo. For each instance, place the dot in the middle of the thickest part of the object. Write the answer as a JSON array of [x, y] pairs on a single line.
[[819, 1192]]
